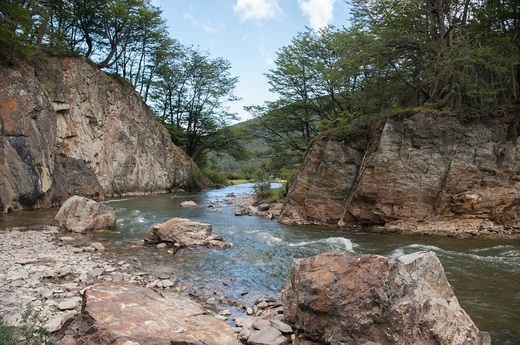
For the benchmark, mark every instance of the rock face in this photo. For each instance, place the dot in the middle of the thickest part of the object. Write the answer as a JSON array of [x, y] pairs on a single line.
[[67, 128], [342, 299], [81, 214], [425, 172], [184, 233], [132, 314]]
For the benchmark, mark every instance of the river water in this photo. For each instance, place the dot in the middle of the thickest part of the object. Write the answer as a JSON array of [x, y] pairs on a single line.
[[485, 274]]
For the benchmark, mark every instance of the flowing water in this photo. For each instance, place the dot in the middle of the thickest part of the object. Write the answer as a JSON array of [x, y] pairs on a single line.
[[485, 274]]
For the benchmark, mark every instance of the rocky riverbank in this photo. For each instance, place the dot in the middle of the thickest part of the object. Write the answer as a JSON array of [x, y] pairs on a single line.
[[78, 288], [41, 270], [47, 276]]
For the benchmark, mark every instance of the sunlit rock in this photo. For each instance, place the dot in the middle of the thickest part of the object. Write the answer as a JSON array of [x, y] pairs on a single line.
[[182, 232], [367, 299], [81, 214], [117, 313], [67, 128], [426, 168], [188, 204]]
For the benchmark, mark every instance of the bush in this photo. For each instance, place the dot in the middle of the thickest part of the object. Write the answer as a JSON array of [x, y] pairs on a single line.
[[217, 178], [195, 181], [262, 190]]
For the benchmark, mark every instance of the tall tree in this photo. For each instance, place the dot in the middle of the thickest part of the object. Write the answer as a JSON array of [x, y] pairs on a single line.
[[119, 21], [16, 23], [193, 100]]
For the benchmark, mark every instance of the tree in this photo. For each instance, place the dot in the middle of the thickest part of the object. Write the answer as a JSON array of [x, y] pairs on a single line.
[[16, 23], [439, 50], [119, 21], [191, 98]]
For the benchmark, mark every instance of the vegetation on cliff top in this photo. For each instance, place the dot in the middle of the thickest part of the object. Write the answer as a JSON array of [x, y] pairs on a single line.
[[398, 56], [187, 88], [461, 56]]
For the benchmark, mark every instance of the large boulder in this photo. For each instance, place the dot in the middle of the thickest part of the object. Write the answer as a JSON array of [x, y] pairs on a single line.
[[368, 299], [124, 314], [81, 214], [183, 232]]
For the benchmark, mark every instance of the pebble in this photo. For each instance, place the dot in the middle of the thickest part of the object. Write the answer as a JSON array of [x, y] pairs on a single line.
[[98, 246], [69, 303], [166, 283]]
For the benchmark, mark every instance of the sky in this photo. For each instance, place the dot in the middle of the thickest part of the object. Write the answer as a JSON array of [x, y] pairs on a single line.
[[248, 33]]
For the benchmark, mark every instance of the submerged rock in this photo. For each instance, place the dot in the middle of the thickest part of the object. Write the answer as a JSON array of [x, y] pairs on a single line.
[[119, 313], [367, 299], [81, 214]]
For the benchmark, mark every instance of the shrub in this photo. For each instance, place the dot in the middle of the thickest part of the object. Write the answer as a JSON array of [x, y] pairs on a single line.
[[262, 190], [6, 335], [195, 181], [217, 178]]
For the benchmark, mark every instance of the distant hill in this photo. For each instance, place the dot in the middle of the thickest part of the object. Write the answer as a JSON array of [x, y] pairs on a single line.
[[254, 145]]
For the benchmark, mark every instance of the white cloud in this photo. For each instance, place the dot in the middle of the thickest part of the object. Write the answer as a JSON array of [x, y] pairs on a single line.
[[257, 9], [208, 26], [267, 57], [318, 11]]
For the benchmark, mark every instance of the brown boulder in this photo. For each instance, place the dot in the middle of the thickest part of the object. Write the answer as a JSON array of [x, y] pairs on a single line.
[[184, 233], [81, 214], [343, 299], [129, 313]]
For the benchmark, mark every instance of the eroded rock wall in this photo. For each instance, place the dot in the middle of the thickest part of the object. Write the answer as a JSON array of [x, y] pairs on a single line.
[[425, 173], [68, 128]]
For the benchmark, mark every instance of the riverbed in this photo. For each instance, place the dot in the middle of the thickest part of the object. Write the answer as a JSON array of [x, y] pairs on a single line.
[[485, 274]]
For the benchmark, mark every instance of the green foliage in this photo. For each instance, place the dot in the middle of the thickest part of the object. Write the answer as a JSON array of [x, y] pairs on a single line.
[[196, 181], [30, 331], [471, 114], [190, 97], [217, 178], [358, 127], [15, 25], [262, 190], [7, 335]]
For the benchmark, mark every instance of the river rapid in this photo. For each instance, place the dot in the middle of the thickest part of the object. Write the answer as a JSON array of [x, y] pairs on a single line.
[[485, 274]]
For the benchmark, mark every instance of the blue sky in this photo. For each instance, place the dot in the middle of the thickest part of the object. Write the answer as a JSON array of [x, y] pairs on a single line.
[[248, 33]]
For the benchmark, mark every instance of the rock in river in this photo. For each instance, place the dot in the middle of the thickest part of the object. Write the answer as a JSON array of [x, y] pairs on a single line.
[[185, 233], [368, 299], [81, 214]]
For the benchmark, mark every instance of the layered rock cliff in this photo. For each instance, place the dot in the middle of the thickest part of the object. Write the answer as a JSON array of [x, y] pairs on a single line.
[[68, 128], [425, 172]]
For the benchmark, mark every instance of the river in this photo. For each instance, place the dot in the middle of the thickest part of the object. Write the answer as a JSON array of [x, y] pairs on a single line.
[[485, 274]]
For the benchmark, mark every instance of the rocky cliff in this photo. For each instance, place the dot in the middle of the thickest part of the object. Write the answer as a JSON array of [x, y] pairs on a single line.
[[68, 128], [424, 172]]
